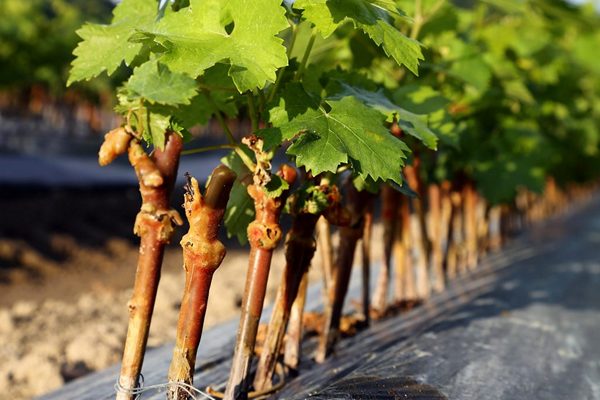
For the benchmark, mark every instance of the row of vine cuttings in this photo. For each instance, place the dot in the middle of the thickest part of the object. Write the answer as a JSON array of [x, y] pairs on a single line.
[[453, 115]]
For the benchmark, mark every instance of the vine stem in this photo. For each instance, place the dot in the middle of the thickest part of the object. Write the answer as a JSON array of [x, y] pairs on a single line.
[[435, 234], [349, 236], [220, 118], [225, 127], [306, 55], [244, 157], [413, 178], [252, 111], [293, 341], [154, 225], [454, 256], [281, 71], [299, 251], [325, 248], [404, 276], [470, 225], [419, 20], [366, 262], [208, 148], [202, 255], [264, 234], [389, 215]]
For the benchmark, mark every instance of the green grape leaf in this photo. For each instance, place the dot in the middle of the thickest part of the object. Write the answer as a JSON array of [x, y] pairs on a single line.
[[388, 5], [239, 213], [105, 47], [276, 186], [351, 133], [499, 180], [372, 18], [308, 199], [517, 90], [155, 83], [202, 107], [420, 99], [472, 70], [503, 163], [404, 189], [413, 124], [468, 63], [585, 51], [362, 184], [293, 101], [217, 95], [152, 121], [156, 127], [196, 38], [240, 207]]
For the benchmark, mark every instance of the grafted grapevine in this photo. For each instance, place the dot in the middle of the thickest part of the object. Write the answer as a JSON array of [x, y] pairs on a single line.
[[452, 114]]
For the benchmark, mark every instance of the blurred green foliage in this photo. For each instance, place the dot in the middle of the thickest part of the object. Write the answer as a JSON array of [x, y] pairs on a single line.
[[510, 87], [37, 38], [522, 81]]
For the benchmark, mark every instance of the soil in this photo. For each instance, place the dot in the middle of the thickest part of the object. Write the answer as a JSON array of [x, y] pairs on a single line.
[[67, 262]]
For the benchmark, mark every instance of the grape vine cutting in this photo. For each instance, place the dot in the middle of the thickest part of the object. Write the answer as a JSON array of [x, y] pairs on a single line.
[[463, 122]]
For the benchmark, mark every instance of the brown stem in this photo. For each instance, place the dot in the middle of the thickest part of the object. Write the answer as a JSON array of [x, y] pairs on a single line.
[[300, 248], [154, 224], [404, 273], [202, 255], [505, 222], [263, 234], [421, 236], [456, 243], [470, 225], [366, 262], [349, 236], [445, 221], [390, 200], [326, 251], [435, 228], [293, 341], [494, 227], [482, 222]]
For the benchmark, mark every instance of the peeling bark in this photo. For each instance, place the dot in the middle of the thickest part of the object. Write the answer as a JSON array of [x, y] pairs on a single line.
[[349, 236], [202, 255], [366, 262], [435, 231], [293, 340], [154, 224], [264, 234], [421, 237], [390, 203], [300, 247]]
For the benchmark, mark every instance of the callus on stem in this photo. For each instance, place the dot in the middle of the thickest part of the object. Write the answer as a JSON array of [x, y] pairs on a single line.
[[155, 225], [264, 234], [357, 203], [299, 250], [202, 255]]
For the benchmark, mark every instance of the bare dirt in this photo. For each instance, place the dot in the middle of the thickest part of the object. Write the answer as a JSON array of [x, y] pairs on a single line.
[[67, 262]]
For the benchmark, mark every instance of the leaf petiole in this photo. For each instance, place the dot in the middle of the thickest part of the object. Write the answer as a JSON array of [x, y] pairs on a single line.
[[252, 112], [220, 119], [245, 159], [282, 70], [306, 55], [208, 148]]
